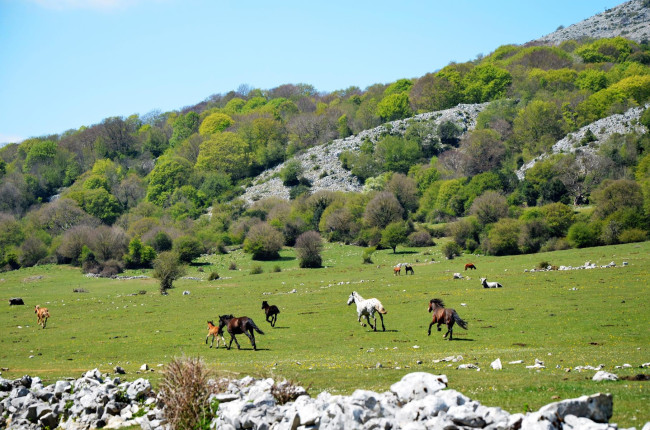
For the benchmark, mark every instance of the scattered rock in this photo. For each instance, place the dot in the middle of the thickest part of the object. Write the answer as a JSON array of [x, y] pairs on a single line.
[[601, 375], [496, 364]]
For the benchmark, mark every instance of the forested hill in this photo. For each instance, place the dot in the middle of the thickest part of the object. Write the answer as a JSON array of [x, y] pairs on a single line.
[[429, 156], [630, 20]]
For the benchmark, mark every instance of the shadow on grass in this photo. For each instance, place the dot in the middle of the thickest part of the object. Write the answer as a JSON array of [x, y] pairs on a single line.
[[462, 339], [405, 252], [234, 348], [199, 263], [276, 328], [381, 331]]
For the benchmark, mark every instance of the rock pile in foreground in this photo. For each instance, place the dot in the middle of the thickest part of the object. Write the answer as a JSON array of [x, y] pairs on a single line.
[[419, 401]]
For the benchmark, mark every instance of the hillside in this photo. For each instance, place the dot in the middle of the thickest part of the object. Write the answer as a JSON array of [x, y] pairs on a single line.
[[630, 20], [322, 164]]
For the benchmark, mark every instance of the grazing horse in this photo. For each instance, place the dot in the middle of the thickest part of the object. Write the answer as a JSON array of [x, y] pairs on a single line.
[[42, 315], [368, 308], [442, 315], [214, 331], [487, 284], [241, 325], [271, 312], [408, 268], [397, 270], [470, 266]]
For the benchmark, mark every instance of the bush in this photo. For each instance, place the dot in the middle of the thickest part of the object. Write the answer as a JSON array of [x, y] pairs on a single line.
[[367, 254], [555, 244], [264, 242], [582, 235], [420, 239], [277, 269], [291, 172], [451, 250], [633, 235], [309, 246], [370, 237], [257, 269], [188, 248], [503, 238], [110, 268], [287, 391], [232, 266], [438, 230], [213, 276], [185, 392], [167, 268]]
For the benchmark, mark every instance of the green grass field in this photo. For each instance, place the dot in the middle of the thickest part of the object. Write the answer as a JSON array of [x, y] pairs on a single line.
[[565, 318]]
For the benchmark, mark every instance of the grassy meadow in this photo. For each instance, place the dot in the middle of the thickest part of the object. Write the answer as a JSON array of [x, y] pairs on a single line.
[[564, 318]]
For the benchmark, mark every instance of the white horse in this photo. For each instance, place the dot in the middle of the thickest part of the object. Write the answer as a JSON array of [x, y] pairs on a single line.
[[487, 284], [368, 308]]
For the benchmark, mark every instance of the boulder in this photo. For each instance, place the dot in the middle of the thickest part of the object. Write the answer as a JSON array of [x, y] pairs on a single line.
[[418, 385]]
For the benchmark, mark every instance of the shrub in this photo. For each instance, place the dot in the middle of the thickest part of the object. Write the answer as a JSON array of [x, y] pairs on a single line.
[[438, 230], [161, 242], [110, 268], [633, 235], [489, 207], [257, 269], [188, 248], [213, 276], [394, 234], [291, 172], [232, 266], [555, 244], [167, 268], [287, 391], [582, 235], [543, 264], [31, 251], [503, 238], [420, 239], [367, 255], [277, 269], [309, 246], [185, 392], [451, 250], [264, 242]]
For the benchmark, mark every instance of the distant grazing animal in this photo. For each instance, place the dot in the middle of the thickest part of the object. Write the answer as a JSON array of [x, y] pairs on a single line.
[[397, 270], [214, 331], [470, 266], [271, 312], [408, 268], [14, 301], [41, 315], [442, 315], [241, 325], [487, 284], [368, 308]]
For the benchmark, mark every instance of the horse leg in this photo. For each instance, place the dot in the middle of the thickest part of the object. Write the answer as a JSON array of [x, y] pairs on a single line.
[[382, 322], [275, 318], [251, 337], [368, 319], [237, 343], [430, 325], [439, 329], [362, 323]]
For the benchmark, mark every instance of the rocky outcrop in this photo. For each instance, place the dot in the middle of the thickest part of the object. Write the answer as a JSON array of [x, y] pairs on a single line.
[[600, 130], [418, 401], [323, 168], [630, 20]]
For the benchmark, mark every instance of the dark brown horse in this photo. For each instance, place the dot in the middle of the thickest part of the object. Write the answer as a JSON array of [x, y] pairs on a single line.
[[271, 312], [442, 315], [241, 325], [408, 268], [470, 266]]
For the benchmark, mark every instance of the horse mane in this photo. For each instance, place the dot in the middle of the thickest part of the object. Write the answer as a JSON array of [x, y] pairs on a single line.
[[358, 296], [437, 302]]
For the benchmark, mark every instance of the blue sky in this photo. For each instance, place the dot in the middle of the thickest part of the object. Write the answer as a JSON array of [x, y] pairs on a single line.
[[69, 63]]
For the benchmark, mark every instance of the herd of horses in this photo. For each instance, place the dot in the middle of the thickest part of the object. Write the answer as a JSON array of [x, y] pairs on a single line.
[[366, 308]]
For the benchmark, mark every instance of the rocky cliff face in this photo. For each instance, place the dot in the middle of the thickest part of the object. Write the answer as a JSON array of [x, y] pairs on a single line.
[[323, 168], [630, 20]]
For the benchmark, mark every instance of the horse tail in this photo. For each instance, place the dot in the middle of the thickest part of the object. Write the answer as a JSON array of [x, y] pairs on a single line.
[[459, 320], [256, 328], [380, 308]]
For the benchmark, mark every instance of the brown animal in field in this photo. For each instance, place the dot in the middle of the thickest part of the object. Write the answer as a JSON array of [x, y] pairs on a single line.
[[442, 315], [214, 331], [42, 315], [271, 312], [408, 268], [397, 270], [241, 325], [470, 266]]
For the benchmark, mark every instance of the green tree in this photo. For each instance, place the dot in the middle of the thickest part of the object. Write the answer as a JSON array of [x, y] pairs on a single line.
[[582, 235], [225, 152], [485, 82], [184, 126], [169, 174], [264, 242], [101, 204], [188, 248], [167, 268], [612, 196], [397, 153], [215, 123], [394, 234], [382, 210], [394, 106], [503, 238], [558, 217], [139, 255]]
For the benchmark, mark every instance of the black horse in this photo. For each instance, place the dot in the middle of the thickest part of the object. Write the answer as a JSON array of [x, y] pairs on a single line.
[[241, 325], [271, 312]]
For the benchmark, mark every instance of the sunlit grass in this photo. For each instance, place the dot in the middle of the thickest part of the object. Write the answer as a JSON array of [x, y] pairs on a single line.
[[565, 318]]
